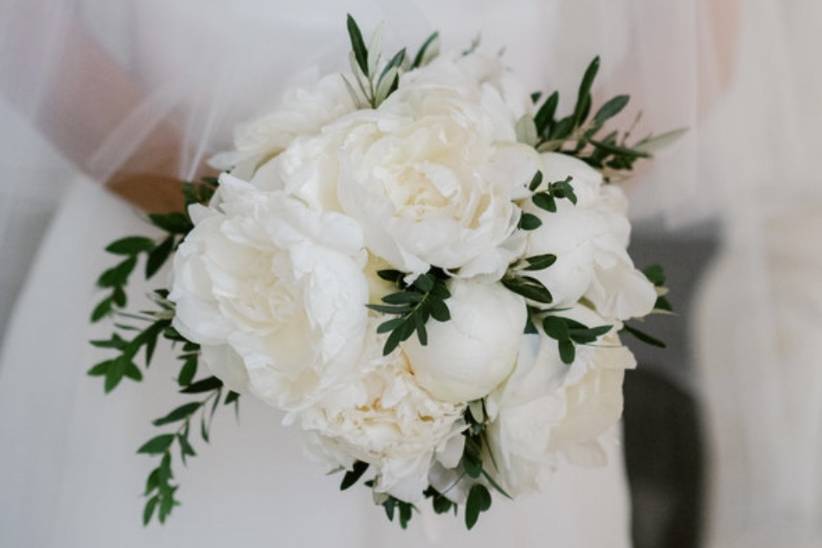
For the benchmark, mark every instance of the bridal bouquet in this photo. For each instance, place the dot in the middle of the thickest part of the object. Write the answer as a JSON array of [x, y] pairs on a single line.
[[421, 266]]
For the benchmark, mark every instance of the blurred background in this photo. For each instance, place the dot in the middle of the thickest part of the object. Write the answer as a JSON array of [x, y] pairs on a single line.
[[722, 430]]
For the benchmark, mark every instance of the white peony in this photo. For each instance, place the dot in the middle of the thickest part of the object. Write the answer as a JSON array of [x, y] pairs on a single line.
[[590, 240], [480, 70], [385, 419], [302, 111], [548, 411], [431, 176], [472, 353], [273, 291]]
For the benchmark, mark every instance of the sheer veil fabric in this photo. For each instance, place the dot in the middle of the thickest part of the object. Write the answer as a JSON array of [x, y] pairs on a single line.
[[185, 73]]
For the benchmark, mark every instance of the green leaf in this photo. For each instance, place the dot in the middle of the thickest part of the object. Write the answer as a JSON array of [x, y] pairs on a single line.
[[439, 310], [584, 94], [185, 446], [619, 150], [205, 385], [529, 221], [644, 337], [395, 62], [131, 245], [390, 325], [117, 275], [424, 282], [556, 328], [535, 181], [545, 201], [389, 309], [231, 397], [390, 275], [174, 222], [496, 485], [662, 303], [529, 288], [610, 109], [545, 115], [403, 297], [182, 412], [393, 340], [654, 143], [148, 511], [352, 476], [567, 352], [357, 44], [100, 369], [157, 445], [540, 262], [157, 257], [114, 374], [479, 500], [405, 513], [422, 54], [655, 274], [588, 335], [187, 372], [562, 129], [133, 372]]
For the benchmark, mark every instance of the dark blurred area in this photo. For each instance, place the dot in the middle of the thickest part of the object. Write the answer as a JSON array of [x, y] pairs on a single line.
[[663, 441]]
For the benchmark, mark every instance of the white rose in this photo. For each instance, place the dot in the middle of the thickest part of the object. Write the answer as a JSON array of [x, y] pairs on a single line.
[[548, 410], [302, 111], [385, 419], [590, 240], [472, 353], [263, 278]]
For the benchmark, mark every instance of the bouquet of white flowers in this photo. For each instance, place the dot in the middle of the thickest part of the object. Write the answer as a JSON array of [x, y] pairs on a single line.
[[423, 267]]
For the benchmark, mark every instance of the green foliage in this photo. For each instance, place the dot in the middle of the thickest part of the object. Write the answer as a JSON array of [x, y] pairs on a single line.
[[547, 199], [413, 305], [353, 476], [479, 500], [568, 333], [160, 492], [576, 133], [527, 286], [642, 336], [374, 84]]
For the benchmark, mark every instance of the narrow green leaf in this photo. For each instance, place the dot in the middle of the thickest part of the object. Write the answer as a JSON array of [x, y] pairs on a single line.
[[644, 337], [180, 413], [584, 93], [388, 309], [616, 149], [545, 115], [131, 245], [157, 257], [540, 262], [148, 511], [424, 282], [403, 297], [610, 109], [357, 44], [422, 54], [352, 476], [205, 385], [157, 445], [187, 372], [174, 222]]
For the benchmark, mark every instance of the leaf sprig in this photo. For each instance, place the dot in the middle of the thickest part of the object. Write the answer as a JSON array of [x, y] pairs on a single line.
[[656, 275], [576, 134], [568, 333], [160, 492], [413, 305], [376, 81]]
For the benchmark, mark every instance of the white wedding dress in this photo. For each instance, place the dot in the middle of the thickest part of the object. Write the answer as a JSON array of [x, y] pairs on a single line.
[[69, 475]]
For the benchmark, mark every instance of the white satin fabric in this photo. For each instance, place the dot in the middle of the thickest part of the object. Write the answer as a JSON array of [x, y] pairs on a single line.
[[68, 473]]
